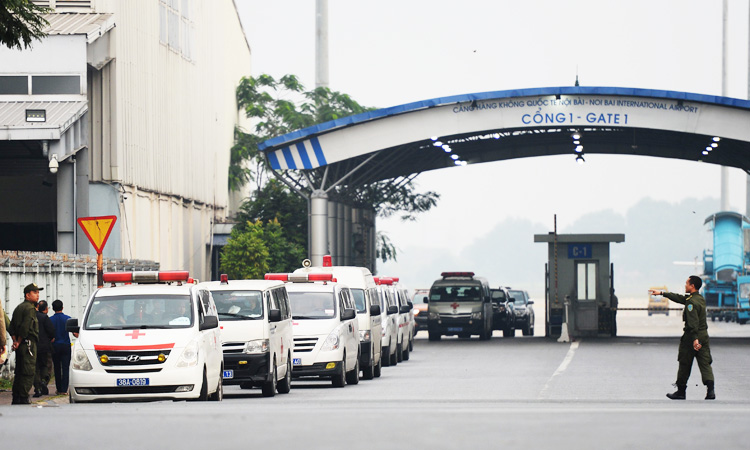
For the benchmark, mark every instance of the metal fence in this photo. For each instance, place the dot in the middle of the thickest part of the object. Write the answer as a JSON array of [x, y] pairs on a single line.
[[70, 278]]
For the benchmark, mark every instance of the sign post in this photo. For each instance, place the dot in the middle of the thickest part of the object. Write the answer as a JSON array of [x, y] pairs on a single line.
[[97, 229]]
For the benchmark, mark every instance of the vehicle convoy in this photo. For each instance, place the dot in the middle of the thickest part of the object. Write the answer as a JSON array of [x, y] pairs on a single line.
[[523, 312], [503, 312], [389, 323], [403, 319], [362, 286], [155, 337], [326, 331], [257, 335], [658, 304], [726, 282], [406, 310], [459, 304]]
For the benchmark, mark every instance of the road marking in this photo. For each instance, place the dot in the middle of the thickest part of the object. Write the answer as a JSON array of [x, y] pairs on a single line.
[[544, 394]]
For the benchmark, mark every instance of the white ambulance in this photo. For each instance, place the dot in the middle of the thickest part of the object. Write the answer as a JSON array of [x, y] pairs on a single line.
[[155, 337], [390, 322], [256, 333], [362, 285], [326, 331], [404, 319]]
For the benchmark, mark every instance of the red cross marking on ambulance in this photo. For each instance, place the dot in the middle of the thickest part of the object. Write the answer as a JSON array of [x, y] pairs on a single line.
[[454, 305], [135, 334]]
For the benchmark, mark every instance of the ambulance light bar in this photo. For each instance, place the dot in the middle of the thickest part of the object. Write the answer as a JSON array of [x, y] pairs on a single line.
[[385, 281], [300, 277], [327, 261], [146, 277]]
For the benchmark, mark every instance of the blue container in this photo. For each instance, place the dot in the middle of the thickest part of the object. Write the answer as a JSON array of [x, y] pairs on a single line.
[[729, 251]]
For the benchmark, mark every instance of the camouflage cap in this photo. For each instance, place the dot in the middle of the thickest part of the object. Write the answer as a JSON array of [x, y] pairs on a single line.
[[31, 287]]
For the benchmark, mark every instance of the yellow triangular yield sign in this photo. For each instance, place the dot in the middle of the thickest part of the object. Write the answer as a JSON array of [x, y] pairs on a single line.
[[97, 229]]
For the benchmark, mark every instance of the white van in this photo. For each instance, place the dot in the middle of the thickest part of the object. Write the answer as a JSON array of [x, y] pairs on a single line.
[[404, 299], [256, 333], [157, 338], [326, 331], [389, 321], [362, 286], [403, 319]]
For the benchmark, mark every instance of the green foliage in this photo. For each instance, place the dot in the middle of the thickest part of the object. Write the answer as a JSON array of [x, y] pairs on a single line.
[[20, 23], [385, 249], [388, 199], [279, 107], [275, 202], [246, 254], [285, 255]]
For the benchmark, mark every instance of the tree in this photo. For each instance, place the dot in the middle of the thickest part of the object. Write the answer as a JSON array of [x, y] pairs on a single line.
[[281, 106], [246, 254], [20, 23]]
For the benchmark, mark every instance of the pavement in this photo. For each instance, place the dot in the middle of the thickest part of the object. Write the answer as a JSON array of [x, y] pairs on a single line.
[[6, 397]]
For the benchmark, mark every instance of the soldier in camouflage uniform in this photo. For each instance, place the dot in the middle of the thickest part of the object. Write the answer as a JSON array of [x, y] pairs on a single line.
[[694, 342], [24, 328]]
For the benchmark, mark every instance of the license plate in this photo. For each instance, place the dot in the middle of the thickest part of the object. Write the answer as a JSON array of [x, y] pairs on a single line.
[[297, 361], [228, 374], [456, 329], [132, 381]]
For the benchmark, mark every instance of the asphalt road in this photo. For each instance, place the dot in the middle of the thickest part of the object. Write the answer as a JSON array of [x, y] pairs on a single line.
[[525, 392]]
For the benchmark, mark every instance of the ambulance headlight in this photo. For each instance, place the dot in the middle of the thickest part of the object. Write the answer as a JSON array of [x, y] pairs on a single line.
[[434, 316], [364, 335], [189, 357], [332, 342], [80, 360], [476, 315], [256, 347]]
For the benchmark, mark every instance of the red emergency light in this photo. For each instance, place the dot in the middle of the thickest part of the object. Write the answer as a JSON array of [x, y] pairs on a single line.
[[395, 279], [320, 277], [327, 261], [457, 274], [224, 278], [277, 276], [386, 281], [376, 279], [146, 277]]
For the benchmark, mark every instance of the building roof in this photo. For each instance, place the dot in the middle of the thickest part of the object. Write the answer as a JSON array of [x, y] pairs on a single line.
[[579, 238], [60, 115], [92, 25]]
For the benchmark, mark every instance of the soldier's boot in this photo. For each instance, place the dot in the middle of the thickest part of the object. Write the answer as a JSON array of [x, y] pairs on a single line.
[[710, 394], [679, 394]]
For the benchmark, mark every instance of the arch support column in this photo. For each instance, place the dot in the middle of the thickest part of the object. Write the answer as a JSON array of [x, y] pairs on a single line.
[[318, 226]]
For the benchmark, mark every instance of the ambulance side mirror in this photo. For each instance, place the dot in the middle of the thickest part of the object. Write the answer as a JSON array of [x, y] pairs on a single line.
[[274, 315], [348, 314], [393, 309], [375, 310], [209, 322], [71, 326]]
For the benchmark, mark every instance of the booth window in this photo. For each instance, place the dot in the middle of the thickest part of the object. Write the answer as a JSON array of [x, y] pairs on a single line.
[[586, 280]]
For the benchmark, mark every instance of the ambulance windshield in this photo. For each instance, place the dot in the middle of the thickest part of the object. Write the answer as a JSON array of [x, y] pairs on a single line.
[[140, 311]]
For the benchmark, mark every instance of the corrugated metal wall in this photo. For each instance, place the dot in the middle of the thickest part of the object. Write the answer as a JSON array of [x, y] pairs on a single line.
[[174, 116], [163, 117]]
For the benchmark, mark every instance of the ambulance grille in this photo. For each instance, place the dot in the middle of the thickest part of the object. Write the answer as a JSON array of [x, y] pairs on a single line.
[[233, 347], [304, 345], [131, 357]]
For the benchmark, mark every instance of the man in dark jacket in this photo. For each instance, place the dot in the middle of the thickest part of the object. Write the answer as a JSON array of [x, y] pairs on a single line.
[[694, 342], [24, 329], [44, 349]]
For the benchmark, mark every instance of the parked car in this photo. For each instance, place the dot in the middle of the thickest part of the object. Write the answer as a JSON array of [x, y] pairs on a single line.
[[419, 299], [523, 311], [503, 314]]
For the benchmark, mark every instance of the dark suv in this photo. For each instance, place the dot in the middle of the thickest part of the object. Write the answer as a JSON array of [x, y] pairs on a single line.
[[523, 311], [503, 315]]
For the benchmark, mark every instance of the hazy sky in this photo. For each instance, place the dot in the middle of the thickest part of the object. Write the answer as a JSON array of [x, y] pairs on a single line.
[[389, 52]]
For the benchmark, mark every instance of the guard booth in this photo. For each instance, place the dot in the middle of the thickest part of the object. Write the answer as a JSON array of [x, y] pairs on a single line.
[[580, 279]]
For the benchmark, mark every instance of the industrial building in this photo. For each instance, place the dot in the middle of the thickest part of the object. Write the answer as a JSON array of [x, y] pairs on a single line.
[[127, 109]]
